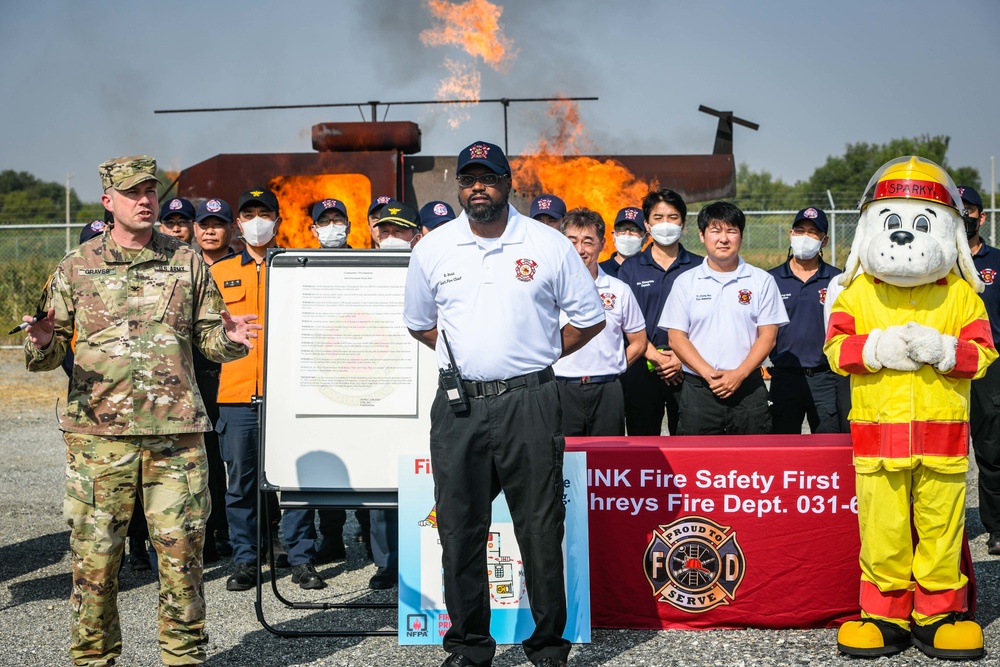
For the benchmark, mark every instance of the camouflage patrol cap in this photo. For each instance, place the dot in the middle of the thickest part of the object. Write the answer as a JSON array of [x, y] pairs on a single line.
[[121, 173]]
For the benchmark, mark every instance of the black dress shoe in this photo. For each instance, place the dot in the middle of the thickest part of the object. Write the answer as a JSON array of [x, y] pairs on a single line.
[[993, 543], [307, 577], [243, 579], [459, 660], [551, 662], [384, 579]]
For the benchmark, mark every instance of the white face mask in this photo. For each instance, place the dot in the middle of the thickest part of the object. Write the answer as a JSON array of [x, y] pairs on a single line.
[[628, 245], [666, 233], [258, 232], [805, 247], [332, 236], [393, 243]]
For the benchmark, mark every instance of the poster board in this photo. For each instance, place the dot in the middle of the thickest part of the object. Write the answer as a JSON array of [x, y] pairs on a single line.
[[347, 389]]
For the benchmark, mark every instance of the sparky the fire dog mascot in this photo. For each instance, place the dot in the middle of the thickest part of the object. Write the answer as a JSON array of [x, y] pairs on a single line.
[[912, 334]]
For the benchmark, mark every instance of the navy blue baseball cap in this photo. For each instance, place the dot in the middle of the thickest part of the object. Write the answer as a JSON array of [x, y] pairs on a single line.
[[548, 205], [214, 208], [970, 196], [177, 205], [261, 197], [92, 229], [481, 152], [400, 214], [325, 205], [433, 213], [631, 215], [813, 215], [377, 204]]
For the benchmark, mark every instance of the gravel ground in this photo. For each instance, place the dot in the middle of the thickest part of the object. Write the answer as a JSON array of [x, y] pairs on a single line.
[[35, 583]]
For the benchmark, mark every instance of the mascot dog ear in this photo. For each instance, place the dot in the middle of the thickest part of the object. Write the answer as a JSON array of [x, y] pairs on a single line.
[[854, 259], [966, 267]]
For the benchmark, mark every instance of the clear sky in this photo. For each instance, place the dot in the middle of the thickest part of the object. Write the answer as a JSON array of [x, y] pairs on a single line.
[[80, 78]]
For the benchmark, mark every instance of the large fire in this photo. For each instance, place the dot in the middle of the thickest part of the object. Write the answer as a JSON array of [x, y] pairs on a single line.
[[555, 166], [473, 26], [297, 194]]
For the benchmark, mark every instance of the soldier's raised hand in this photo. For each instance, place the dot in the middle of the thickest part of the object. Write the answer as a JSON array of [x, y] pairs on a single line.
[[40, 332], [240, 329]]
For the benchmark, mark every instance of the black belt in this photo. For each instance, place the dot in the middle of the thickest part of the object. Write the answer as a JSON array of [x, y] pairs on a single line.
[[477, 389], [815, 370], [588, 379]]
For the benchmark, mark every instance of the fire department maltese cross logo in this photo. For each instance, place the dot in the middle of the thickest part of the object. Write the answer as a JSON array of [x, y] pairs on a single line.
[[524, 269], [988, 276], [544, 204], [822, 295], [440, 209], [694, 564], [745, 296], [631, 213], [609, 300], [175, 205], [213, 206], [479, 151]]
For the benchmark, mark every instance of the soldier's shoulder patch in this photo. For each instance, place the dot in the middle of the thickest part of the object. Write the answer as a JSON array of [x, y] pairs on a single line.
[[106, 271], [232, 283]]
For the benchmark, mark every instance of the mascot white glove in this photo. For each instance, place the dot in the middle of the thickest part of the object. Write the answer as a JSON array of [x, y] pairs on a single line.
[[930, 346], [887, 349]]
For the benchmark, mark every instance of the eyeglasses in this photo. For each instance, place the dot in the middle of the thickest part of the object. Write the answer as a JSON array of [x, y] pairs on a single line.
[[327, 223], [175, 223], [487, 179]]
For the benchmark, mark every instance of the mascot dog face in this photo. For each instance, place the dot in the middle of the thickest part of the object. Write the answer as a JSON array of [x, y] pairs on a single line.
[[911, 231]]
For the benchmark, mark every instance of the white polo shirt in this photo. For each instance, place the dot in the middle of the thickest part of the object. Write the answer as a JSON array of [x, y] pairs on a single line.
[[605, 353], [498, 299], [721, 312]]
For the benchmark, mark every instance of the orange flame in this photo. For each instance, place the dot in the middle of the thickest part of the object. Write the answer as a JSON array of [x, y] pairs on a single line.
[[463, 84], [556, 166], [473, 26], [297, 194]]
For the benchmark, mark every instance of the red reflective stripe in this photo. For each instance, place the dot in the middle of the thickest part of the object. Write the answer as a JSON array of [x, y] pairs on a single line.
[[840, 323], [852, 354], [890, 604], [966, 360], [931, 603], [903, 440], [913, 188]]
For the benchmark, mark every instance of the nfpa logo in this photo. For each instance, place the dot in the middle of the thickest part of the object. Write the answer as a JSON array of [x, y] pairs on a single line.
[[694, 564], [416, 625]]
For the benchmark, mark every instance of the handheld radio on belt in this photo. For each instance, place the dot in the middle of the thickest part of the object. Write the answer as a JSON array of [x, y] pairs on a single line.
[[451, 381]]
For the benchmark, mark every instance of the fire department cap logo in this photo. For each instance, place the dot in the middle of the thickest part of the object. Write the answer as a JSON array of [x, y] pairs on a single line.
[[524, 269], [745, 296], [329, 203], [479, 151], [631, 213], [440, 209], [822, 294], [544, 204], [175, 205], [608, 299], [810, 213], [988, 276], [694, 564], [383, 199], [213, 205], [99, 226]]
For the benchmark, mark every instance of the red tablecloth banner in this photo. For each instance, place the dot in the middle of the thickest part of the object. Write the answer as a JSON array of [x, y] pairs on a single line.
[[722, 531]]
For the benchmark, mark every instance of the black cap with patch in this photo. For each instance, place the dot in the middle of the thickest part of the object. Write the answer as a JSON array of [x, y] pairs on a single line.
[[400, 214], [260, 196]]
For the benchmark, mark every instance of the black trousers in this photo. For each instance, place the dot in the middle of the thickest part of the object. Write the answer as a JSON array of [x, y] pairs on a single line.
[[592, 409], [984, 422], [743, 413], [510, 442], [207, 379], [646, 399], [796, 396]]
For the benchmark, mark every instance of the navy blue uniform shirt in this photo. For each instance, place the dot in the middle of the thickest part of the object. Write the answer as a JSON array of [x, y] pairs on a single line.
[[610, 266], [800, 342], [651, 286], [988, 264]]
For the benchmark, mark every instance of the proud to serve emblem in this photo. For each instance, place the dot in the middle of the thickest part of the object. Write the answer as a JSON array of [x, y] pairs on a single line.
[[694, 564]]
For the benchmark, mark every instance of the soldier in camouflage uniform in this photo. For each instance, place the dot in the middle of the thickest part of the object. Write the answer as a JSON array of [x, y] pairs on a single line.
[[138, 300]]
